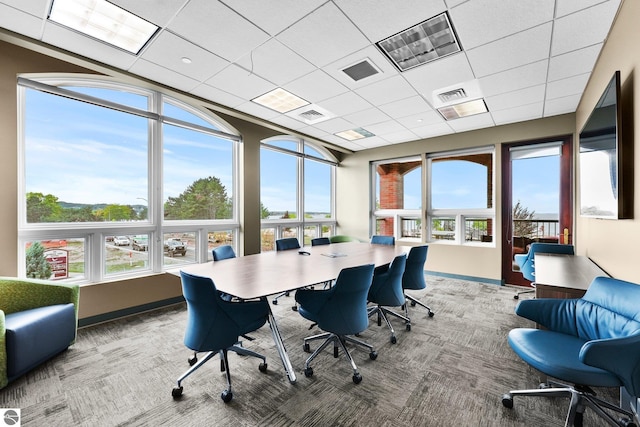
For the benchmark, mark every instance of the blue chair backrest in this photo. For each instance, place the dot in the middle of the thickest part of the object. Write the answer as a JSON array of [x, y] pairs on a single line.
[[413, 277], [209, 328], [386, 288], [526, 261], [383, 240], [287, 243], [320, 241], [345, 313], [223, 252]]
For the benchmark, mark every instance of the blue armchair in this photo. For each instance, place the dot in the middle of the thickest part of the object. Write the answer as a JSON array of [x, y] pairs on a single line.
[[214, 326], [593, 341], [526, 261], [386, 291], [340, 311]]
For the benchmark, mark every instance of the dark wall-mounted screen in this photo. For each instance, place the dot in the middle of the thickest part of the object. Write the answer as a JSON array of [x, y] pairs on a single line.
[[601, 163]]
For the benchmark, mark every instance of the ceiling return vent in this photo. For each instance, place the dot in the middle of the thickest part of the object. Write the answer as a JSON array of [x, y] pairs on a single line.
[[453, 95], [460, 100], [361, 70], [311, 114]]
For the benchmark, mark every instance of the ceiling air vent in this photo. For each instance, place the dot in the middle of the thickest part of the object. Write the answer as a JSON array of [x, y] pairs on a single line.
[[453, 95], [361, 70], [311, 114]]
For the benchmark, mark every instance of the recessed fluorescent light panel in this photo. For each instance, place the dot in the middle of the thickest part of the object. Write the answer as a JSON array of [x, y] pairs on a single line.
[[422, 43], [354, 134], [280, 100], [104, 21], [464, 109]]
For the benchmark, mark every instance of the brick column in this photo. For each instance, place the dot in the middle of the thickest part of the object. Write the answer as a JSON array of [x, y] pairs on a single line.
[[392, 190]]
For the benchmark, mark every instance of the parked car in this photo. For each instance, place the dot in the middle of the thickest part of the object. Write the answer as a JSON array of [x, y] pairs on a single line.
[[140, 243], [121, 241], [173, 247]]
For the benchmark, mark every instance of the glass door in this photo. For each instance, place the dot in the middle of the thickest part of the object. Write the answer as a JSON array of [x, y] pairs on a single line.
[[537, 199]]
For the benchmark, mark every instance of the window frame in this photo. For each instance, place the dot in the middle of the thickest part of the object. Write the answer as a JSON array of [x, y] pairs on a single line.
[[155, 226]]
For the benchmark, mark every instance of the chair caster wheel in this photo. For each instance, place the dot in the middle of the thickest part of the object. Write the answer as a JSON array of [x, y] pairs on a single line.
[[308, 372], [307, 348], [294, 308], [516, 297], [192, 360], [393, 339], [226, 396], [275, 302], [176, 392], [408, 327], [262, 367], [373, 355], [413, 303], [431, 314], [507, 401], [357, 378]]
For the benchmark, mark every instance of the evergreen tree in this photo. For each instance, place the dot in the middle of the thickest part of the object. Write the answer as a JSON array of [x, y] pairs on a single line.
[[37, 265]]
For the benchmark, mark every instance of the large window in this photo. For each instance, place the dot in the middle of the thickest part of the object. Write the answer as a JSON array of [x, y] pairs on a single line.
[[119, 181], [460, 197], [397, 199], [296, 191]]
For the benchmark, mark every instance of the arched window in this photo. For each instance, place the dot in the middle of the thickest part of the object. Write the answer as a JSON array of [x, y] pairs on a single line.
[[297, 187], [120, 181]]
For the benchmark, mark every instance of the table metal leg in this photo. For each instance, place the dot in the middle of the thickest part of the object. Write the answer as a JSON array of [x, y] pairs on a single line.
[[277, 338]]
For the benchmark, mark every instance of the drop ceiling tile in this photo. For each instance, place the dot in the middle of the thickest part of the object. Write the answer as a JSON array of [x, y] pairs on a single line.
[[406, 107], [346, 103], [167, 50], [433, 130], [510, 52], [338, 38], [420, 120], [518, 114], [479, 23], [385, 91], [367, 117], [75, 42], [581, 29], [435, 75], [516, 98], [240, 82], [573, 63], [20, 22], [570, 86], [314, 131], [289, 123], [568, 104], [275, 62], [390, 19], [337, 124], [369, 53], [163, 75], [470, 123], [316, 86], [199, 17], [565, 7], [257, 110], [216, 95], [262, 13], [514, 79], [390, 126], [37, 8], [399, 136], [371, 142], [157, 12]]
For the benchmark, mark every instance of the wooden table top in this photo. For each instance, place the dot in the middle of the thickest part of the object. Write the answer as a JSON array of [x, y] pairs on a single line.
[[566, 271], [270, 273]]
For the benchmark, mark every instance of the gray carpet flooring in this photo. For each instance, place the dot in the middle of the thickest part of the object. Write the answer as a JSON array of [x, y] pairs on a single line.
[[448, 370]]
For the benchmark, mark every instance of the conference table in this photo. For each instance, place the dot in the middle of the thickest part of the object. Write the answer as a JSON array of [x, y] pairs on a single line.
[[270, 273]]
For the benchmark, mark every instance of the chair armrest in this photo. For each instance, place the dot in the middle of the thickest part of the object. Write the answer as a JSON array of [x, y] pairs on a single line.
[[24, 294], [555, 314], [621, 356]]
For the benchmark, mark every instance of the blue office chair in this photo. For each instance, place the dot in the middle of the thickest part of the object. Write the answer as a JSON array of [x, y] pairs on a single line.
[[413, 277], [526, 261], [223, 252], [286, 244], [339, 311], [593, 341], [214, 325], [386, 291], [383, 240], [318, 241]]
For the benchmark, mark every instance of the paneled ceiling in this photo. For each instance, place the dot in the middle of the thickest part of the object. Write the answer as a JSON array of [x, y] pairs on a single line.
[[529, 58]]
